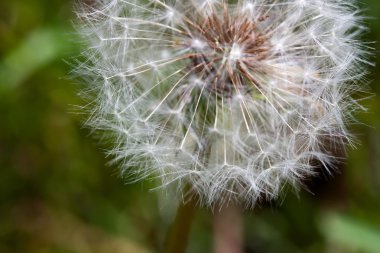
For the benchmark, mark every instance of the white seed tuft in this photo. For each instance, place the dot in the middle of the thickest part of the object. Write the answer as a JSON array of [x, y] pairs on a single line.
[[234, 98]]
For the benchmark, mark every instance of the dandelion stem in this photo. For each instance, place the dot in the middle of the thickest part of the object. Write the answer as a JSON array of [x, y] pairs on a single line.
[[177, 237], [228, 230]]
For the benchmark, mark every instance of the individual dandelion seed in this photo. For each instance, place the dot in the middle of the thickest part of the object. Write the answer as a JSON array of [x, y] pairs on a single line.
[[234, 98]]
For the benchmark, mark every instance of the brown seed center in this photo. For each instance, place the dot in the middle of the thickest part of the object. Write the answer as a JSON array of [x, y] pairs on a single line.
[[227, 50]]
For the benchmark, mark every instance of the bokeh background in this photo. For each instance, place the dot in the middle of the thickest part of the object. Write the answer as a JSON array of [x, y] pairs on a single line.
[[58, 195]]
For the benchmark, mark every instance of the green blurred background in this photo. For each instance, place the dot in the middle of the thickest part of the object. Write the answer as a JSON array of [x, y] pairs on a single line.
[[58, 195]]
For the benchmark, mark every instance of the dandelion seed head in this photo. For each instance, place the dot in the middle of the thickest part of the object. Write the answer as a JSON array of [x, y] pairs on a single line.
[[234, 98]]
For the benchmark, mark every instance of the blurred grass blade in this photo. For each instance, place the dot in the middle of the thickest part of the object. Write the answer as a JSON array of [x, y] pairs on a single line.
[[350, 233], [38, 49]]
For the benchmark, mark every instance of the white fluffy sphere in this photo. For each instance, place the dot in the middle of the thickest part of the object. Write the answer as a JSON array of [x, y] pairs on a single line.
[[234, 98]]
